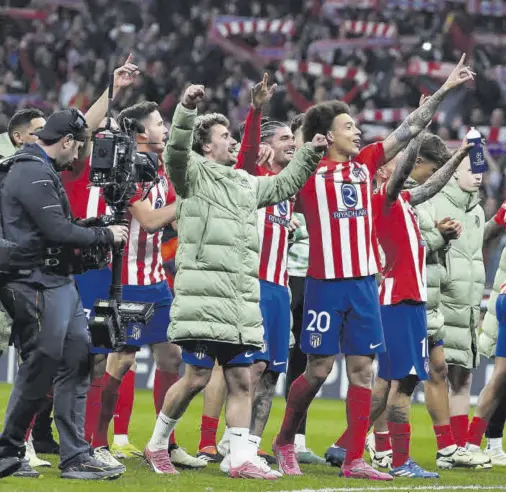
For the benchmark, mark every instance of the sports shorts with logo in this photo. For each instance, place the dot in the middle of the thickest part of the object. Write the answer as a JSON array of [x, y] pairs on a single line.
[[95, 284], [204, 354], [342, 316], [275, 307], [407, 345], [500, 310]]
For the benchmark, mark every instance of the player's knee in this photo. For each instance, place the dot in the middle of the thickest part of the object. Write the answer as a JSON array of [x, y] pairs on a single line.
[[460, 379], [196, 379], [98, 364], [408, 384], [438, 371], [318, 370]]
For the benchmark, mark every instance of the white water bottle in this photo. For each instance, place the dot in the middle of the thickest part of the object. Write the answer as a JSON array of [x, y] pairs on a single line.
[[476, 156]]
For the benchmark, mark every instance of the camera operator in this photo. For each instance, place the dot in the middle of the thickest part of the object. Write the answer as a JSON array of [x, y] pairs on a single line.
[[49, 324]]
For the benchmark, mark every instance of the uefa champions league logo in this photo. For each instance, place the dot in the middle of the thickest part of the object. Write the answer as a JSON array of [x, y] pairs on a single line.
[[159, 203]]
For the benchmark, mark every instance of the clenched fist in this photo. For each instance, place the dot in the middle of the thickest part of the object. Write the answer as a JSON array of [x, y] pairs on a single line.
[[193, 95], [319, 143]]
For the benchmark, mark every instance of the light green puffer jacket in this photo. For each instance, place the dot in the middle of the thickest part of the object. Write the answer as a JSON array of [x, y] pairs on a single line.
[[488, 337], [434, 242], [216, 288], [7, 149], [463, 278]]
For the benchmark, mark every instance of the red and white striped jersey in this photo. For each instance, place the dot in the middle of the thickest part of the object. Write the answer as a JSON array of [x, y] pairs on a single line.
[[404, 272], [273, 222], [337, 206], [85, 201], [142, 257]]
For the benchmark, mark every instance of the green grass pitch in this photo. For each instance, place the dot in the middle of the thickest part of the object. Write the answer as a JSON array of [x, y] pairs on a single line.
[[326, 421]]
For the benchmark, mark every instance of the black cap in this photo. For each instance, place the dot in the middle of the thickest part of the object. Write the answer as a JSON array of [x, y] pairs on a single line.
[[63, 123]]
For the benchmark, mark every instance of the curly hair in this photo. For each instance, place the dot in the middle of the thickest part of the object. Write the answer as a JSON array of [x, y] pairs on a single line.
[[433, 148], [202, 129], [319, 118]]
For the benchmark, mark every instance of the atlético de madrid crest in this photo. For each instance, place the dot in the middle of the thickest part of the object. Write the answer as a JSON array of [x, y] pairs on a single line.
[[315, 340]]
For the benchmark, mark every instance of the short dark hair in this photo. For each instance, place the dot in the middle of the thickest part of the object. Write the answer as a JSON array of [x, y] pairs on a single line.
[[268, 128], [297, 122], [319, 118], [138, 112], [433, 148], [202, 129], [22, 118]]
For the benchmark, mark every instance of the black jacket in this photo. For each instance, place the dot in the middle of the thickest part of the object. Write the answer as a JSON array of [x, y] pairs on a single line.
[[36, 211]]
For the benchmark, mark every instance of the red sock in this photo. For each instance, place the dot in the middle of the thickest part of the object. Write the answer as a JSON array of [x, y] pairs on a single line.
[[110, 394], [93, 408], [125, 404], [163, 382], [459, 425], [476, 431], [382, 441], [299, 399], [401, 436], [444, 436], [29, 430], [342, 441], [208, 429], [358, 410]]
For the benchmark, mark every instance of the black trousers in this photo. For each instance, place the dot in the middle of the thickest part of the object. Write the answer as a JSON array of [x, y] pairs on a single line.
[[51, 334], [297, 361]]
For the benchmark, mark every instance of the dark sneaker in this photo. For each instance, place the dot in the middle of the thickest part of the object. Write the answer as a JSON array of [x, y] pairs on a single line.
[[270, 459], [210, 454], [48, 446], [91, 469], [26, 470], [8, 466]]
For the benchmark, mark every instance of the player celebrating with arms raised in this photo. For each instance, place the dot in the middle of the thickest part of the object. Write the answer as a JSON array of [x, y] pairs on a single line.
[[341, 312]]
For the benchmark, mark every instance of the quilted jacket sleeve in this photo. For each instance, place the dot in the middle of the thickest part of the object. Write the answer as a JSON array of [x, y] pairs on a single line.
[[180, 166], [274, 189]]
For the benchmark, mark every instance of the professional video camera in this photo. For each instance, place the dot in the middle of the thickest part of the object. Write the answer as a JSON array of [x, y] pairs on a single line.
[[118, 168]]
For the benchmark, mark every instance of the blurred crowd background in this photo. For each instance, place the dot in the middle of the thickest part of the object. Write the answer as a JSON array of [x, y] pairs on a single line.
[[378, 55]]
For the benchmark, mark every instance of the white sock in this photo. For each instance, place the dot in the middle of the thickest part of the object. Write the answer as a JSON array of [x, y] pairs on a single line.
[[448, 450], [473, 448], [495, 443], [225, 441], [254, 442], [240, 448], [300, 443], [121, 440], [163, 428]]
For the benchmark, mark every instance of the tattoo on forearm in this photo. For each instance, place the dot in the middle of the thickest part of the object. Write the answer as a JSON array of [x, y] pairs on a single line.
[[262, 403], [398, 414], [438, 180], [403, 169], [413, 125]]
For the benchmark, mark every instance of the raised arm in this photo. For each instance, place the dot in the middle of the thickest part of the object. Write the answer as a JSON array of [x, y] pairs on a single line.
[[403, 169], [419, 119], [123, 77], [250, 145], [273, 189], [440, 178], [179, 146], [495, 226]]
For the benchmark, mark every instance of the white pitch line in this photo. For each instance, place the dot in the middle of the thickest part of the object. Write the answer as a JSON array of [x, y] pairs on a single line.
[[404, 488]]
